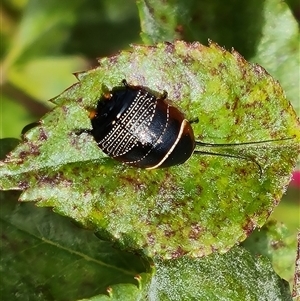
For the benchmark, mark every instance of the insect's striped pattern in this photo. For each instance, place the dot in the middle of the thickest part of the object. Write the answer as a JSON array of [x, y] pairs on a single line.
[[128, 126]]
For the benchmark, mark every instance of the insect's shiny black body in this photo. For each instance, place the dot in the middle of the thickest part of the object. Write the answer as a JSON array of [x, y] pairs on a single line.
[[137, 128]]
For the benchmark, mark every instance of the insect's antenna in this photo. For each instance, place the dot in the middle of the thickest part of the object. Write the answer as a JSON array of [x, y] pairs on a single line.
[[203, 144], [232, 156], [240, 143]]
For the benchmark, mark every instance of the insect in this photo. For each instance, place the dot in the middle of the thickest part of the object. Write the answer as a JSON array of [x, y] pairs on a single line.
[[133, 126]]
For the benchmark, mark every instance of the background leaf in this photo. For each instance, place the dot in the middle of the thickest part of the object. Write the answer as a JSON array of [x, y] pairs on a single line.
[[235, 275], [43, 41], [274, 241], [57, 254]]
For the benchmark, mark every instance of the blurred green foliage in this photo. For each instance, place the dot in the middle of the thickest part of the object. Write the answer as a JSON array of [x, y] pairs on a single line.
[[44, 42]]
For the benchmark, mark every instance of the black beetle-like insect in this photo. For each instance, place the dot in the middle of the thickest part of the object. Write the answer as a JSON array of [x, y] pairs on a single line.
[[135, 127]]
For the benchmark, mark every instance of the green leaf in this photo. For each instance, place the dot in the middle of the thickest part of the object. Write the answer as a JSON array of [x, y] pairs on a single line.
[[46, 257], [274, 241], [210, 202], [234, 276], [159, 20], [278, 48]]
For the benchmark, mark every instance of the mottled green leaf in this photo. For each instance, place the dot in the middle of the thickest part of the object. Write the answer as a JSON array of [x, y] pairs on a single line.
[[209, 203]]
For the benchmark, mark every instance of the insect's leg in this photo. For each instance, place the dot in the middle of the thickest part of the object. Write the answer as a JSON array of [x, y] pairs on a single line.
[[164, 95], [82, 131], [194, 120], [124, 82]]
